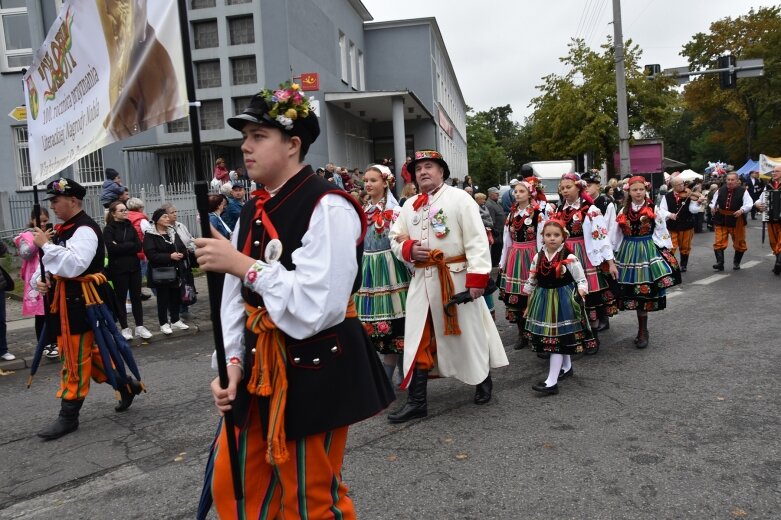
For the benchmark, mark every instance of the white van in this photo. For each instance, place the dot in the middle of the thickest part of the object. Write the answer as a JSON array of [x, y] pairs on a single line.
[[549, 173]]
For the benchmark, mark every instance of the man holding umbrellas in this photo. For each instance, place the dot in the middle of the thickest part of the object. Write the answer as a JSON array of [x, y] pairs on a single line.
[[74, 257]]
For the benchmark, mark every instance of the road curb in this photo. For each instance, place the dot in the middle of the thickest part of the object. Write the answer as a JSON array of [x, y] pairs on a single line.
[[24, 362]]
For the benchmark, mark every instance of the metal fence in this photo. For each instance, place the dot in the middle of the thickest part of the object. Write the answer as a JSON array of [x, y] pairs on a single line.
[[181, 195]]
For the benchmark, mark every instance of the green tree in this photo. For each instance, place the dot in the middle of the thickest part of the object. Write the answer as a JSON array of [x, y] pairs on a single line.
[[743, 121], [576, 113], [487, 158]]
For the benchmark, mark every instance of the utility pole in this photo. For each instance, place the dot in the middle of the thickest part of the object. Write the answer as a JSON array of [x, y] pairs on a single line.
[[623, 116]]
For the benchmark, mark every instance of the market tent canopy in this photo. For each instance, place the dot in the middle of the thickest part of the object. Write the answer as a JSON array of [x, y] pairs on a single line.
[[750, 166], [689, 175]]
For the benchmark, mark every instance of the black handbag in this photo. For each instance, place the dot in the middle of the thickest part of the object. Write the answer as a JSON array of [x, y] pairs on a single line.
[[164, 275]]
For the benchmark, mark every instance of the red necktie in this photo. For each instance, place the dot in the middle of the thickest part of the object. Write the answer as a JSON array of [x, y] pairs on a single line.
[[421, 201]]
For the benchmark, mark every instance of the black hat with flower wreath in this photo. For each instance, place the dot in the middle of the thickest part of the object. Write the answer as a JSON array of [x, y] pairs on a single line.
[[286, 108]]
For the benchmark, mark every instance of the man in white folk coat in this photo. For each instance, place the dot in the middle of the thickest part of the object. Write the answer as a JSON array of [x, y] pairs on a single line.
[[439, 232]]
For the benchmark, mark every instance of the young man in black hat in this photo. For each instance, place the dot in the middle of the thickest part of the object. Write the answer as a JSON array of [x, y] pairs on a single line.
[[76, 250], [301, 368]]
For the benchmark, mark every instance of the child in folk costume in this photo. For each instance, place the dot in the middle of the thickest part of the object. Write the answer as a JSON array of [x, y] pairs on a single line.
[[522, 240], [646, 268], [588, 240], [556, 319], [382, 298]]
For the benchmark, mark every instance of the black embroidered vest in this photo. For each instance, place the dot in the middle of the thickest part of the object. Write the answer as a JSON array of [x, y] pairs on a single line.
[[685, 218]]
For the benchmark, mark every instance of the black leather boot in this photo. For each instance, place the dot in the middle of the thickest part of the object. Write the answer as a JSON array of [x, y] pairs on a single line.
[[777, 267], [66, 422], [416, 405], [642, 332], [521, 344], [736, 260], [719, 265], [592, 351], [483, 390], [127, 395], [684, 262]]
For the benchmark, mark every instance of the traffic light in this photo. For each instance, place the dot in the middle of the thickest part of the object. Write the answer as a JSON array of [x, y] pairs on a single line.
[[652, 70], [727, 79]]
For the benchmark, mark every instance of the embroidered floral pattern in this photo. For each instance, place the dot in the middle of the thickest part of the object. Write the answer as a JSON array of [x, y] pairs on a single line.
[[252, 274]]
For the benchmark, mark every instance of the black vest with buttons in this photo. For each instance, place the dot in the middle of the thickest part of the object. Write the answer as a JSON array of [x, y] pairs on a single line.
[[334, 377], [685, 219], [735, 204]]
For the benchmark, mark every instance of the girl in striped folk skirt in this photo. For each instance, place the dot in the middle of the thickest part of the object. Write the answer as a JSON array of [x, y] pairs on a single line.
[[556, 320], [646, 268], [588, 240], [381, 300], [522, 240]]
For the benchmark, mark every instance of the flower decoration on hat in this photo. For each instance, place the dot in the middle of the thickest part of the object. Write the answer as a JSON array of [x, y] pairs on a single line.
[[60, 185], [286, 104], [574, 177], [386, 174]]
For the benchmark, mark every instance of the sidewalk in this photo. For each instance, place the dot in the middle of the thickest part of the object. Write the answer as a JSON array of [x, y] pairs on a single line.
[[21, 329]]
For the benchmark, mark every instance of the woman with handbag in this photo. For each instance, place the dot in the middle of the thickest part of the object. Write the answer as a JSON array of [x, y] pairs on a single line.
[[164, 250], [124, 267]]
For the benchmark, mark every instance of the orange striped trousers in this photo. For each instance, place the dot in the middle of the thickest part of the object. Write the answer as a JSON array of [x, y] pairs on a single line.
[[683, 239], [89, 366], [738, 234], [774, 233], [309, 485]]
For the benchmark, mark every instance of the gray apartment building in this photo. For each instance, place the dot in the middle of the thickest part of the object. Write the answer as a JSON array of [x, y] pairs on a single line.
[[382, 89]]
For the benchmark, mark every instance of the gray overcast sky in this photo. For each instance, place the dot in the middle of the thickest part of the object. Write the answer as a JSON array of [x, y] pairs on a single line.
[[500, 48]]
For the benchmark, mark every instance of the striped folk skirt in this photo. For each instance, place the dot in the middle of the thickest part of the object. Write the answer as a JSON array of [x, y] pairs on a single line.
[[644, 274], [381, 300], [519, 258], [601, 298], [557, 321]]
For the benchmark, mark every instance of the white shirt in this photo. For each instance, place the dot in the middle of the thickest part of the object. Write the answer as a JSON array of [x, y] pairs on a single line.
[[314, 296], [73, 259], [694, 207]]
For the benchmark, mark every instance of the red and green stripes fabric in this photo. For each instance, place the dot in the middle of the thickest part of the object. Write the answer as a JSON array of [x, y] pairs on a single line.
[[307, 486], [89, 364]]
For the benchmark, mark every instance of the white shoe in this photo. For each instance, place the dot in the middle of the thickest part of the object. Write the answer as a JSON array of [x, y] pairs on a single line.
[[127, 334], [166, 329], [51, 351], [180, 325], [8, 357], [143, 332]]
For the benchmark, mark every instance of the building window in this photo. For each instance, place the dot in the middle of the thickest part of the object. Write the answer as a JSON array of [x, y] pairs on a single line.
[[89, 169], [202, 4], [207, 74], [343, 55], [212, 117], [24, 175], [177, 166], [241, 30], [244, 71], [361, 72], [353, 66], [205, 34], [240, 103], [180, 125], [237, 2], [16, 50]]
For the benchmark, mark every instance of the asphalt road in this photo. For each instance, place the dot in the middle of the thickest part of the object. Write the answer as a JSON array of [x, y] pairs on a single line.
[[688, 428]]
